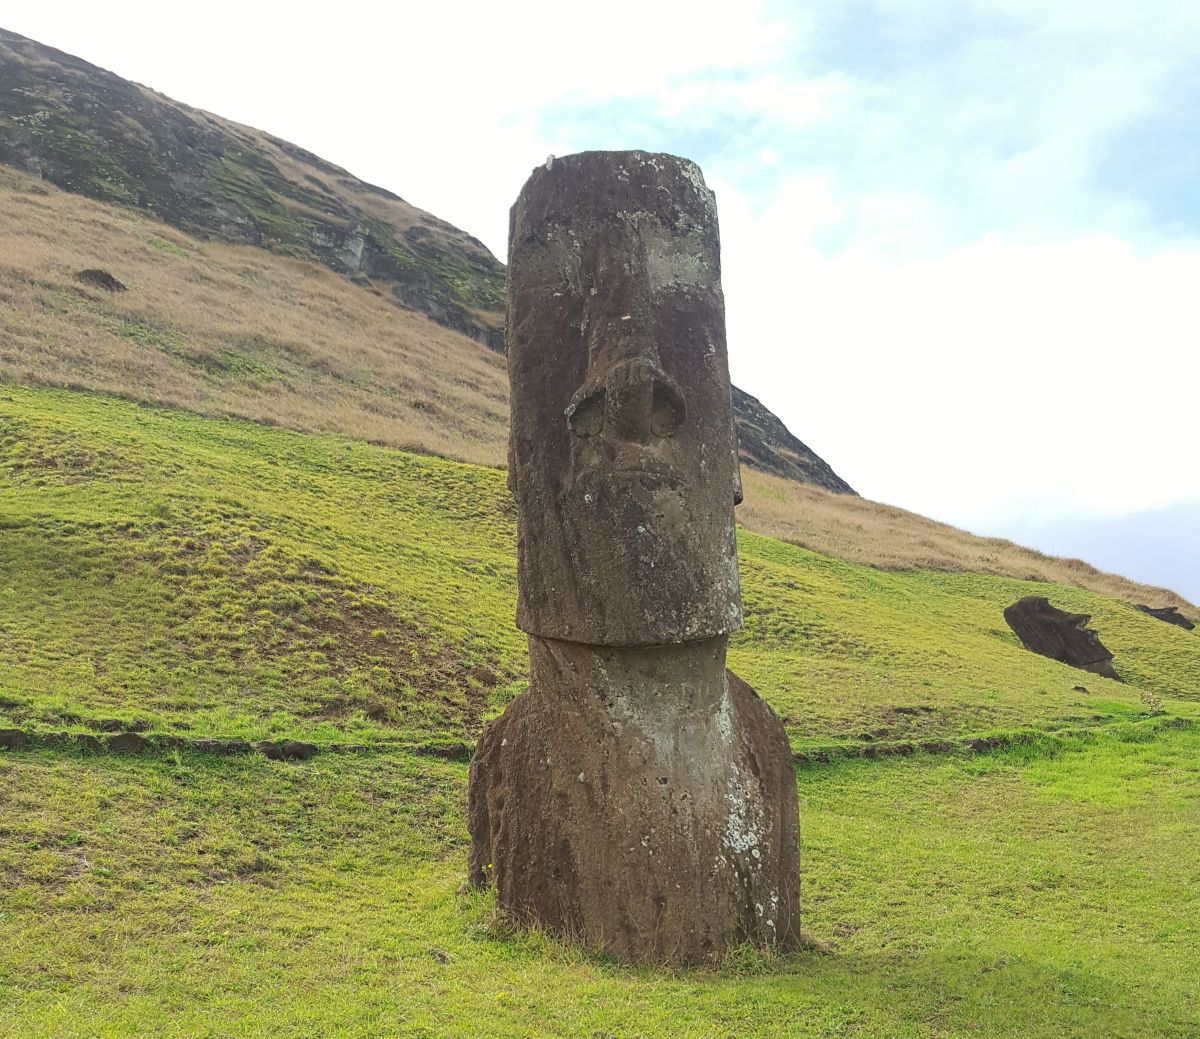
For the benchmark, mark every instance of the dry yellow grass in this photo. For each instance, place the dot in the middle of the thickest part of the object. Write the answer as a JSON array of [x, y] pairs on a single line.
[[231, 331], [862, 531], [237, 331]]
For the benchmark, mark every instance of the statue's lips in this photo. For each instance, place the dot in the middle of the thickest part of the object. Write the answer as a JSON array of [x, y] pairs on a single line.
[[629, 463], [603, 476]]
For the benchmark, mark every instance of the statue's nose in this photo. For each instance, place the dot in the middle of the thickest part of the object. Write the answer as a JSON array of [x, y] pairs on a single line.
[[634, 401]]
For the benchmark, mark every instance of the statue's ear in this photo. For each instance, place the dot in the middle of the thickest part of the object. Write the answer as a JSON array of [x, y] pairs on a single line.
[[737, 468], [512, 469]]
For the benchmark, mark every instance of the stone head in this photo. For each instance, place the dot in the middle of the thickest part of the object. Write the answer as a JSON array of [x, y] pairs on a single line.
[[623, 456]]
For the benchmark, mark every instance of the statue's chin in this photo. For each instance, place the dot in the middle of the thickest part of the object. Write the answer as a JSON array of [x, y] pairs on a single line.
[[628, 508]]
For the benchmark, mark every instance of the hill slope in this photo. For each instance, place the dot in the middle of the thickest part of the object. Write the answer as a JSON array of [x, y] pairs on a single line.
[[194, 577], [236, 331], [228, 330], [90, 132], [227, 579]]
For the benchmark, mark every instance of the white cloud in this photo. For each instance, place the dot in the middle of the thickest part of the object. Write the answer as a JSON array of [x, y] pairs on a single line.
[[790, 102], [1000, 379]]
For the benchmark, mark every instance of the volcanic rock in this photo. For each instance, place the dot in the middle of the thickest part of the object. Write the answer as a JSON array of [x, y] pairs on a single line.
[[99, 279]]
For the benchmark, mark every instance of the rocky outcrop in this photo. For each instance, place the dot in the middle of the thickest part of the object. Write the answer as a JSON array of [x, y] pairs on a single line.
[[638, 797], [89, 131], [1170, 614], [1061, 636], [99, 279], [767, 445]]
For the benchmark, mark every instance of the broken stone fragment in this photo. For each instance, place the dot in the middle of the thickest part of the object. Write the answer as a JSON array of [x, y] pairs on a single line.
[[1061, 636]]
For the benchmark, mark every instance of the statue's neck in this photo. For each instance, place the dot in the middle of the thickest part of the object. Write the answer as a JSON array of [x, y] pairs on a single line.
[[681, 677]]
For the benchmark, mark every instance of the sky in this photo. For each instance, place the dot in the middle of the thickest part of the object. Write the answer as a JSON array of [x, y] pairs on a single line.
[[961, 238]]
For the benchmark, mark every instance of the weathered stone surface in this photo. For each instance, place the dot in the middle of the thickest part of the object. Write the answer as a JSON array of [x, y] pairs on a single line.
[[622, 457], [640, 800], [1170, 614], [1061, 636], [638, 796]]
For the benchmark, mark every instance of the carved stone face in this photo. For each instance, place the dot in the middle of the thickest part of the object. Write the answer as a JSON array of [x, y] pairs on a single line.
[[622, 458]]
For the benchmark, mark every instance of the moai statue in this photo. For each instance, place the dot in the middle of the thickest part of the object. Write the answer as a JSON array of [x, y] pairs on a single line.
[[1054, 633], [638, 797]]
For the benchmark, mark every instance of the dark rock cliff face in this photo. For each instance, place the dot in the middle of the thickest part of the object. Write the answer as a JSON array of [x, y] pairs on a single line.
[[88, 131], [93, 133], [766, 444]]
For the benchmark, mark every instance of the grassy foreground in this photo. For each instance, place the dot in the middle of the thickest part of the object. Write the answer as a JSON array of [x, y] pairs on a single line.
[[1050, 890]]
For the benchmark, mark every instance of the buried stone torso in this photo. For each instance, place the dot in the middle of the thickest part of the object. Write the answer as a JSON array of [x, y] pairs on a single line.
[[642, 799]]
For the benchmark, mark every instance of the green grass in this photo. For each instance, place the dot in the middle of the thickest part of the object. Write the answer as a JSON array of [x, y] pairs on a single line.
[[218, 578], [209, 577], [1049, 890], [196, 577]]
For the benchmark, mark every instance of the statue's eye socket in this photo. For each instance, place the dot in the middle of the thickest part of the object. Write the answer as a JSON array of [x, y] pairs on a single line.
[[666, 410], [586, 418]]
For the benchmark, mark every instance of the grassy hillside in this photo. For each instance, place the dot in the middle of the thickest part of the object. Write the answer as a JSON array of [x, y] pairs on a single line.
[[220, 578], [193, 577], [227, 330], [236, 331], [862, 531], [95, 134]]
